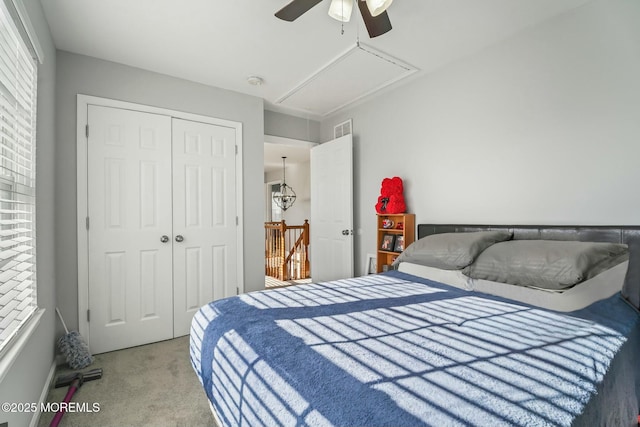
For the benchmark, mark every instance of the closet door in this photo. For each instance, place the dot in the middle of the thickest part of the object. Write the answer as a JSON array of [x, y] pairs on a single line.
[[130, 208], [204, 217]]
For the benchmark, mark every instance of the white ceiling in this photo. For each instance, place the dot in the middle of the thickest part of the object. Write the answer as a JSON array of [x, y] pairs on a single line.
[[295, 154], [221, 43]]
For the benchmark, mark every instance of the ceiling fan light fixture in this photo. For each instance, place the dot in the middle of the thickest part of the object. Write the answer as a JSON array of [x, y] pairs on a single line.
[[340, 10], [376, 7]]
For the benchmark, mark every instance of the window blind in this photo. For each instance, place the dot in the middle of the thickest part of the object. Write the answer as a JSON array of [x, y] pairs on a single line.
[[18, 78]]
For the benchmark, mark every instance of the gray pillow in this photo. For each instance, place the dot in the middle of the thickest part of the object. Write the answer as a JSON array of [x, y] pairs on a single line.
[[549, 264], [451, 251], [631, 287]]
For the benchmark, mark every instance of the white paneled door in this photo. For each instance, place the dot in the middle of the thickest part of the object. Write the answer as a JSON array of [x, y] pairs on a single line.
[[130, 267], [162, 224], [204, 217], [332, 210]]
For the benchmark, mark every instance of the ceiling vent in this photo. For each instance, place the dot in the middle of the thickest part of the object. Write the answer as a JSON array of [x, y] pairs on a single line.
[[359, 72], [342, 129]]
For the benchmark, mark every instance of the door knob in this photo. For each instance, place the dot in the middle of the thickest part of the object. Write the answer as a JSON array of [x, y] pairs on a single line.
[[164, 239], [179, 238], [345, 232]]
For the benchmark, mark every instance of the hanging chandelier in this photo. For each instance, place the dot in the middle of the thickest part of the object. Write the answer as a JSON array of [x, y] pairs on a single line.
[[286, 197]]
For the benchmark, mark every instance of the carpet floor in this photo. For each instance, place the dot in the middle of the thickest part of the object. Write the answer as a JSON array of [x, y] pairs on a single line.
[[150, 385]]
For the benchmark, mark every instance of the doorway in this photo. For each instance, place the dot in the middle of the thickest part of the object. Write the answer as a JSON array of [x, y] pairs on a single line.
[[297, 169]]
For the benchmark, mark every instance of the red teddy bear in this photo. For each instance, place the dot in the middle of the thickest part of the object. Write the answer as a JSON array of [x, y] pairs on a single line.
[[391, 200]]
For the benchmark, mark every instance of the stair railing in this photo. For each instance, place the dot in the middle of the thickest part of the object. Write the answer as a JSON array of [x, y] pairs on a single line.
[[287, 250]]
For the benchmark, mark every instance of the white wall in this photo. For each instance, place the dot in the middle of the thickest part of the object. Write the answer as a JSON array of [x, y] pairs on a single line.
[[27, 378], [91, 76], [298, 177], [285, 125], [541, 129]]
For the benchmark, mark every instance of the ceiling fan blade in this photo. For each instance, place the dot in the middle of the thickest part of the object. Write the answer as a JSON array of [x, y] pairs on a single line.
[[376, 25], [295, 9]]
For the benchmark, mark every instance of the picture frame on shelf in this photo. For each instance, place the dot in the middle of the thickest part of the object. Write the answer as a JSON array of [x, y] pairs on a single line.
[[387, 242], [370, 264], [398, 245]]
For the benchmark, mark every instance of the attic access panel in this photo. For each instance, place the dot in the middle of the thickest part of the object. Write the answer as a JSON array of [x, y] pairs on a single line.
[[359, 72]]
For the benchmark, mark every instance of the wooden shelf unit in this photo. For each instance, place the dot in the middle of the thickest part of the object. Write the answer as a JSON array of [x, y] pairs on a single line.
[[408, 221]]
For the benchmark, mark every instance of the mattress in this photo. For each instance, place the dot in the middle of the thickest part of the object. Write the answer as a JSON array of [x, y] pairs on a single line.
[[604, 285], [397, 349]]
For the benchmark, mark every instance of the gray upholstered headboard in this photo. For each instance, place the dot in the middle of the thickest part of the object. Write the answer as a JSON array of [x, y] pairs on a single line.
[[586, 233]]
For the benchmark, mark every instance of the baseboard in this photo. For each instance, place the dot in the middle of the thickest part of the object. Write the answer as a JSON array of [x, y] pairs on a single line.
[[60, 359], [43, 396]]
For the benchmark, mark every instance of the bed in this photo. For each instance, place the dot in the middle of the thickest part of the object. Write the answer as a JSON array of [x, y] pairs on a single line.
[[422, 345]]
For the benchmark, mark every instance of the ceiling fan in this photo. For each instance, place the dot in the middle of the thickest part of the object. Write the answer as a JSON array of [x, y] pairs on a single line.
[[374, 12]]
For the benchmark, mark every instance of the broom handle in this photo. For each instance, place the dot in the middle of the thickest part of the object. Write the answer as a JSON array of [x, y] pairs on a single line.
[[75, 385], [62, 320]]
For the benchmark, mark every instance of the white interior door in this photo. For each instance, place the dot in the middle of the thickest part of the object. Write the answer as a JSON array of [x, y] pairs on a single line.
[[331, 229], [129, 210], [204, 212]]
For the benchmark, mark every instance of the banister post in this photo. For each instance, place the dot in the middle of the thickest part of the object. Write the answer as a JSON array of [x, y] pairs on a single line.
[[307, 264], [267, 254], [282, 266]]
